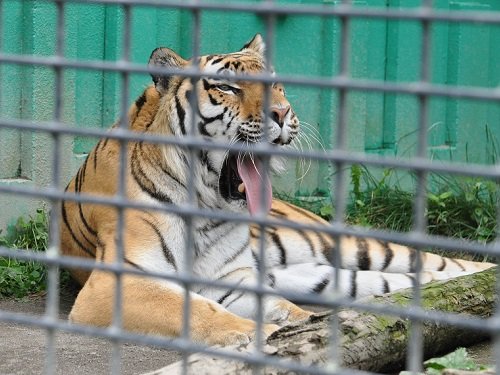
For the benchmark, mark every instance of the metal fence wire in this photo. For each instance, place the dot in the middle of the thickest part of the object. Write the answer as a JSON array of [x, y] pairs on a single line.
[[340, 157]]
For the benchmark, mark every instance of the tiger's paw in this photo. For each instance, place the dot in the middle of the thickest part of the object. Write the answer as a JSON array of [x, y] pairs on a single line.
[[269, 329], [297, 314], [285, 312], [241, 336]]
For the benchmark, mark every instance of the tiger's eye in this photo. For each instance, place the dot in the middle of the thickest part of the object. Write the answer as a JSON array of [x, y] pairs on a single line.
[[225, 87]]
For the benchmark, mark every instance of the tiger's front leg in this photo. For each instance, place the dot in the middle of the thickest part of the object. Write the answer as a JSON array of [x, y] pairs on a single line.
[[153, 306]]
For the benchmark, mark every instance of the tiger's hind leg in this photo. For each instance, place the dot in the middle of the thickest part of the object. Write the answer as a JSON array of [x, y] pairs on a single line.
[[371, 254], [288, 246], [318, 278]]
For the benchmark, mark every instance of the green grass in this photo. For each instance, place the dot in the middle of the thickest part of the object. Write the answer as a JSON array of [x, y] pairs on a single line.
[[20, 278], [456, 207]]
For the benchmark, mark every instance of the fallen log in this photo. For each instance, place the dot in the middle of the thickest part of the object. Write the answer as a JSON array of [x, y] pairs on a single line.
[[368, 341]]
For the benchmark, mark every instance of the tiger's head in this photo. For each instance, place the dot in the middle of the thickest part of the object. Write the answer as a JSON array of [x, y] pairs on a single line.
[[229, 109]]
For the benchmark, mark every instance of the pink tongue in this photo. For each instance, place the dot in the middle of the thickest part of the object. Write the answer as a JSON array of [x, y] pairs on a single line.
[[253, 175]]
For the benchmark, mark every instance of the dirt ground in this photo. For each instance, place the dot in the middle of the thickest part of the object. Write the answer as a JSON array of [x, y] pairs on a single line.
[[22, 348]]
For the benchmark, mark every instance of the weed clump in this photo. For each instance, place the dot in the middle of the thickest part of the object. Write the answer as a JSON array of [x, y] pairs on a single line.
[[19, 278], [457, 207]]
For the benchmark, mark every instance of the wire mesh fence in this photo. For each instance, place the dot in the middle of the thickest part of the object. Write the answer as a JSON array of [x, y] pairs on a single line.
[[339, 157]]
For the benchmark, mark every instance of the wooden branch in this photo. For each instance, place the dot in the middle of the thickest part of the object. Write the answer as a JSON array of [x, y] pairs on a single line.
[[367, 341]]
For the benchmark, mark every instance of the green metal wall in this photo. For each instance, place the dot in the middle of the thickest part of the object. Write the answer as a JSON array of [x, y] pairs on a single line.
[[462, 54]]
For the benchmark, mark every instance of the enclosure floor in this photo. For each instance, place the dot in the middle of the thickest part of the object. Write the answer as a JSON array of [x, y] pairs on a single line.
[[22, 348]]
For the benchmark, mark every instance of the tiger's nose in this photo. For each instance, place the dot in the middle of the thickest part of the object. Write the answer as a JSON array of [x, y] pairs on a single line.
[[278, 114]]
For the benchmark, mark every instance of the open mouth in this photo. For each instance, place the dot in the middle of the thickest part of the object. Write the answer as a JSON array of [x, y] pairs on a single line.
[[245, 178]]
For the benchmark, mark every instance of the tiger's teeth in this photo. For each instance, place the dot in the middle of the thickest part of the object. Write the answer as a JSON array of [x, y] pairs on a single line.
[[241, 188]]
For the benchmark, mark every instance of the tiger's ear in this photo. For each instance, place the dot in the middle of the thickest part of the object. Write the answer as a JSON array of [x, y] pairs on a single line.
[[256, 44], [164, 57]]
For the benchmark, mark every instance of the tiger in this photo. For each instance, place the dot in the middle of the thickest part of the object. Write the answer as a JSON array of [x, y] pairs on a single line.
[[229, 110]]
